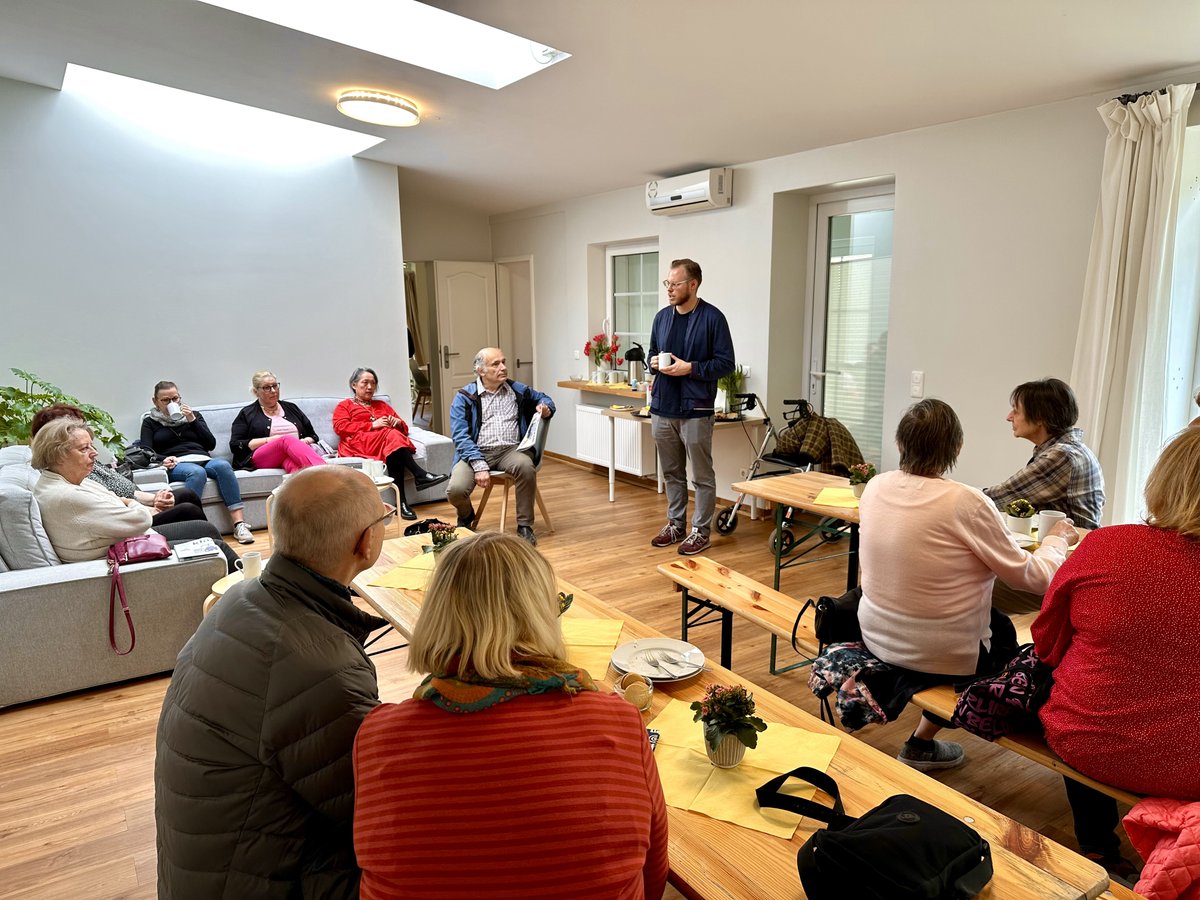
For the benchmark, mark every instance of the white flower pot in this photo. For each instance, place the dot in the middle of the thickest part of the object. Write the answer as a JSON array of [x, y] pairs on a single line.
[[858, 489], [1019, 526], [728, 753]]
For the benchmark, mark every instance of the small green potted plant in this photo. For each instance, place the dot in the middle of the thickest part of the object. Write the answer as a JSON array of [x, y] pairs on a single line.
[[1020, 516], [730, 725], [731, 385], [860, 474]]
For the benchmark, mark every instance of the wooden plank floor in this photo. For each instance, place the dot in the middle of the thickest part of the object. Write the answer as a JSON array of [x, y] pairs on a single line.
[[76, 773]]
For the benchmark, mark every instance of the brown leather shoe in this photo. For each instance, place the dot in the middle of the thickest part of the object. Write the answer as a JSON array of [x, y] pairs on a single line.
[[695, 543], [670, 534]]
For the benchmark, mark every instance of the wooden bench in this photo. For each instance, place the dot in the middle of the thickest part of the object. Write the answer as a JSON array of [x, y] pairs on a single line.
[[712, 591]]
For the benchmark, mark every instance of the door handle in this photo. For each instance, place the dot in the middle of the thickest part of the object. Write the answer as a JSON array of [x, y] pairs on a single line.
[[446, 354], [524, 362]]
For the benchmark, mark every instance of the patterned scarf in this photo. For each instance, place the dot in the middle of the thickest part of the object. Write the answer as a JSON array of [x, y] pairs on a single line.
[[467, 692]]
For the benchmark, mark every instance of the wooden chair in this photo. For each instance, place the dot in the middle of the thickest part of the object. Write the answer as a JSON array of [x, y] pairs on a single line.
[[423, 395], [506, 480]]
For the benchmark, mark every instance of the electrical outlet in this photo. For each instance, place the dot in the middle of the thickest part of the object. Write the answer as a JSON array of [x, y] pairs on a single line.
[[746, 371], [916, 384], [577, 354]]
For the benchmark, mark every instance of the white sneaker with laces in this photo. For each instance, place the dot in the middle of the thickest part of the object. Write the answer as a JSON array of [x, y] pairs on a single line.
[[242, 533]]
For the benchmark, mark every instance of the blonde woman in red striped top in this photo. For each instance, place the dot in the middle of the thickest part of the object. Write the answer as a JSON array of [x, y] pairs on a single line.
[[508, 775]]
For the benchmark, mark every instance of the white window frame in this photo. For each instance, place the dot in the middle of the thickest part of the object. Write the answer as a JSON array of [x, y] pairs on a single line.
[[612, 251]]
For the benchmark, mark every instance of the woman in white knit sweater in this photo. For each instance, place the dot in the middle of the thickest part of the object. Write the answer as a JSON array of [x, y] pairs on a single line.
[[81, 518], [931, 550]]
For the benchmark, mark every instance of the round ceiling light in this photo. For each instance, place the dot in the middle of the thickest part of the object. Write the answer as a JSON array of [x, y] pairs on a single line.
[[379, 108]]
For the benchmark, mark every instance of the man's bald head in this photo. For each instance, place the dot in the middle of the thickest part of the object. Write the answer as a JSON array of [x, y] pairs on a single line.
[[491, 367], [320, 514]]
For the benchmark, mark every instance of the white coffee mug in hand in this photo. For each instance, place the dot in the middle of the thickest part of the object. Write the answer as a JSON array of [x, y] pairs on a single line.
[[250, 564], [664, 360], [1047, 519]]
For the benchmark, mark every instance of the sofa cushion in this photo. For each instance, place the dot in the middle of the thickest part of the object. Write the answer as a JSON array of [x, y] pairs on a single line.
[[18, 453], [23, 541]]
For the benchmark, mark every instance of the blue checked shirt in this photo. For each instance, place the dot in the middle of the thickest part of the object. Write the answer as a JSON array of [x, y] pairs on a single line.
[[1063, 474]]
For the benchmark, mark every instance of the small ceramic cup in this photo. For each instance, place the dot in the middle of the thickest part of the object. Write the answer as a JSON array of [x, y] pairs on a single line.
[[250, 564]]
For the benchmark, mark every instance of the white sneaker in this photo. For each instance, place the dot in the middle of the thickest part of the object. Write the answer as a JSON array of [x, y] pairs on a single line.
[[241, 531]]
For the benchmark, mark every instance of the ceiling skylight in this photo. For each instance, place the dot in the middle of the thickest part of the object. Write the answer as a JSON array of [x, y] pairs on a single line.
[[213, 126], [410, 32]]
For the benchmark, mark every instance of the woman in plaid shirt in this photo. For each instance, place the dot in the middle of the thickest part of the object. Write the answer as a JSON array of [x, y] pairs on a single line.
[[1063, 473]]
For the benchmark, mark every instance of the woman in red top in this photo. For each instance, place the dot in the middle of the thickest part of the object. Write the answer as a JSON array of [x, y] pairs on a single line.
[[370, 429], [1119, 625], [508, 775]]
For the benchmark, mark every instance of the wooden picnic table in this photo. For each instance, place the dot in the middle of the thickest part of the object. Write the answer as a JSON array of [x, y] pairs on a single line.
[[714, 859]]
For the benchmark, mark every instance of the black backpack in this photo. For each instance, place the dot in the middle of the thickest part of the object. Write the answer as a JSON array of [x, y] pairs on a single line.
[[903, 849]]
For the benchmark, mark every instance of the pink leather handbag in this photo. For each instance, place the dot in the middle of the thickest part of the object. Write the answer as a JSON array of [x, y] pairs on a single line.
[[139, 548]]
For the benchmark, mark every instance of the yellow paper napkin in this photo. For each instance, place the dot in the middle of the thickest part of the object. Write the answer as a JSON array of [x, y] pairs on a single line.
[[842, 497], [590, 642], [691, 782], [412, 574], [582, 632]]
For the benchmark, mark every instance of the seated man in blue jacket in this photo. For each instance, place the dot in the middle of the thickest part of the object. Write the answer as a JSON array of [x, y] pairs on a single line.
[[488, 419]]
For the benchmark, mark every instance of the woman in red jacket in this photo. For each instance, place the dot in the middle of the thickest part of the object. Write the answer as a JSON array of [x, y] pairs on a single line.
[[371, 429], [508, 775], [1120, 628]]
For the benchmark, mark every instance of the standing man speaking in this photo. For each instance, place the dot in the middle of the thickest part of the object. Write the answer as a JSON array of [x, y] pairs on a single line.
[[690, 348]]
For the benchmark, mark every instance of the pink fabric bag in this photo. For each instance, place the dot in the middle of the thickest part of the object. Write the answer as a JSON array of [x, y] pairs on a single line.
[[139, 548]]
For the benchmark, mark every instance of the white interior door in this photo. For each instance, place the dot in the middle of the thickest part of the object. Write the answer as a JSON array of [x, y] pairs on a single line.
[[514, 294], [467, 320], [848, 319]]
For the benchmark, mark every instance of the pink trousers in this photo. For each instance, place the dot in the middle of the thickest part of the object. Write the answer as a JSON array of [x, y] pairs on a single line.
[[288, 453]]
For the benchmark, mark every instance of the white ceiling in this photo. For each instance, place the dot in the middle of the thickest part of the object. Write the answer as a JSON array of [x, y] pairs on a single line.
[[653, 88]]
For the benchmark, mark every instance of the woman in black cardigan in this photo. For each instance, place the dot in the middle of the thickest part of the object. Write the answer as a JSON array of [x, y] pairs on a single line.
[[272, 433]]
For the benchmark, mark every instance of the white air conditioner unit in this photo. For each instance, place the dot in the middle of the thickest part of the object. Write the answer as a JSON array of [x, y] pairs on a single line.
[[710, 189]]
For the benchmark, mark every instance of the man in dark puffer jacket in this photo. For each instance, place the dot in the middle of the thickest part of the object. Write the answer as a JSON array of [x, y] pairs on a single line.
[[254, 791]]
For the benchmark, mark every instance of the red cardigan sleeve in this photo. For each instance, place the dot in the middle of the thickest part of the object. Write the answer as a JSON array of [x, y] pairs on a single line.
[[379, 406], [346, 422], [1052, 629]]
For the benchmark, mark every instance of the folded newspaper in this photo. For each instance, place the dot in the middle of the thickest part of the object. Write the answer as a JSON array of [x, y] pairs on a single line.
[[531, 436], [197, 548]]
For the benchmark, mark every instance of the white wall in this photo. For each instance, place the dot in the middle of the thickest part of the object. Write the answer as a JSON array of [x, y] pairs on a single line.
[[992, 226], [123, 262], [436, 230]]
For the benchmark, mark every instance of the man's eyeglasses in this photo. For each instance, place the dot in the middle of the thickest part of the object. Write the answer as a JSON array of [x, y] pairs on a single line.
[[386, 519], [273, 388], [667, 283]]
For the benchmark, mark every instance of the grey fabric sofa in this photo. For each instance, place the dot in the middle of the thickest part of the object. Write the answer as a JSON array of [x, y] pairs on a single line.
[[434, 451], [54, 615]]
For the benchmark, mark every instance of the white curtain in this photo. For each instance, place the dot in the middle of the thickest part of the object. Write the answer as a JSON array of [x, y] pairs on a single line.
[[1119, 372]]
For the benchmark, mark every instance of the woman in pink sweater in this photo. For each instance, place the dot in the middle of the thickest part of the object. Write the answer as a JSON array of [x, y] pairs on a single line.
[[931, 550], [1120, 627]]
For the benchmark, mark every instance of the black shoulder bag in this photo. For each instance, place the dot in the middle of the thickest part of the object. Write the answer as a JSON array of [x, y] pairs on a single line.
[[903, 849], [835, 620]]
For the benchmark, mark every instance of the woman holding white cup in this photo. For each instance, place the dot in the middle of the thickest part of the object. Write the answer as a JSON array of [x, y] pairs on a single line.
[[371, 429]]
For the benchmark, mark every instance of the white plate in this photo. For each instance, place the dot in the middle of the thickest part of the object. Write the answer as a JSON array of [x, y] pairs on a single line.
[[1023, 540], [682, 660]]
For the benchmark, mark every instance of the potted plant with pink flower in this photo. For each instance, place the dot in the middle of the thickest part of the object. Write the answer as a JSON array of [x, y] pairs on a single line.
[[730, 725]]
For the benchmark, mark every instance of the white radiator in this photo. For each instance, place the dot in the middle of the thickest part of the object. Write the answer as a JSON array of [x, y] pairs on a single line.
[[635, 446]]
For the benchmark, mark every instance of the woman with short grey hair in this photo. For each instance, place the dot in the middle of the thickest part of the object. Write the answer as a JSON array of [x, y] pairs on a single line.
[[83, 519], [371, 429]]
